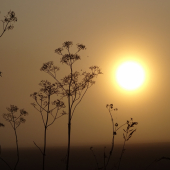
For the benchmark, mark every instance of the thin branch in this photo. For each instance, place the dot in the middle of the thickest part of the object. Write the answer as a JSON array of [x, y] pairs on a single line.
[[6, 163], [4, 29], [55, 119], [79, 102], [91, 148], [11, 124], [123, 150], [17, 118], [42, 117], [73, 100], [41, 106], [40, 113], [38, 147], [121, 126], [157, 160], [18, 125], [53, 109], [111, 150], [56, 80]]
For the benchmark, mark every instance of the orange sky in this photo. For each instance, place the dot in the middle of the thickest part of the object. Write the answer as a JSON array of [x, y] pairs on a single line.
[[113, 31]]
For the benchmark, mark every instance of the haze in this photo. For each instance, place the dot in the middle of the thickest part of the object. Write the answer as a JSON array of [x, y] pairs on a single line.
[[112, 31]]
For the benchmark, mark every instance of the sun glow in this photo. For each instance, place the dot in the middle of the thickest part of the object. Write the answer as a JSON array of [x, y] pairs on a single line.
[[130, 75]]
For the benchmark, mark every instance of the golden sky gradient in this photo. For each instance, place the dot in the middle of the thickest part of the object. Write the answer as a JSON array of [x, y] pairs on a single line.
[[113, 31]]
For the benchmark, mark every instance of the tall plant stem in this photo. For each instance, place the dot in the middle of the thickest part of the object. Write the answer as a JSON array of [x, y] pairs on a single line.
[[69, 132], [45, 133], [69, 120], [17, 148], [112, 145], [111, 151], [16, 140], [122, 153], [44, 151], [68, 148]]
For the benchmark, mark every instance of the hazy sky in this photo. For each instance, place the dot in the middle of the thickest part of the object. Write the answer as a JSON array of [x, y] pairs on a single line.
[[113, 31]]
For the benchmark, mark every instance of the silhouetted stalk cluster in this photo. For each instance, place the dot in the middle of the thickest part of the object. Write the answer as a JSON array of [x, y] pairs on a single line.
[[127, 135], [15, 122], [115, 128], [42, 104], [7, 21], [72, 87], [7, 24]]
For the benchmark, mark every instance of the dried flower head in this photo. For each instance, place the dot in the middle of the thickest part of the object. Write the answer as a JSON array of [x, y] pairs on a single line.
[[67, 44], [59, 104], [14, 118], [22, 120], [23, 112], [10, 17], [81, 47], [2, 125], [59, 51], [47, 66], [12, 108]]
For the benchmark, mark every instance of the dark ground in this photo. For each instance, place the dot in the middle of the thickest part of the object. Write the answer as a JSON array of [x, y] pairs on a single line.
[[136, 157]]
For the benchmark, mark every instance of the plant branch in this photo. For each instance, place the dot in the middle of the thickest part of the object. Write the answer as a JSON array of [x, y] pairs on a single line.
[[6, 163], [79, 101], [38, 147]]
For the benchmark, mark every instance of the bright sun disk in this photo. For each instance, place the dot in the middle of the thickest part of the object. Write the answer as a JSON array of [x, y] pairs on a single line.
[[130, 75]]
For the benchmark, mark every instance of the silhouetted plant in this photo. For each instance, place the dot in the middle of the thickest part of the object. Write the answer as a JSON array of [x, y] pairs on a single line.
[[7, 24], [157, 160], [15, 122], [128, 132], [2, 125], [115, 128], [4, 160], [72, 87], [8, 21], [42, 105], [97, 164]]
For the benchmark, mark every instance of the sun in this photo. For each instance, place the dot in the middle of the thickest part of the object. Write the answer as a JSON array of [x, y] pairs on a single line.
[[130, 75]]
